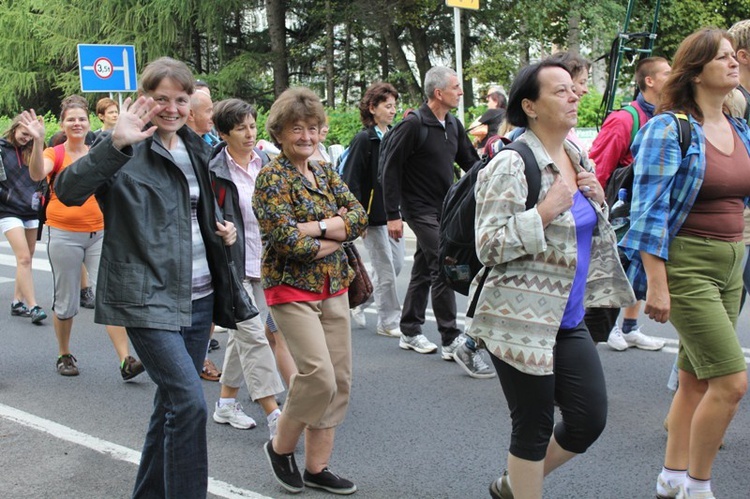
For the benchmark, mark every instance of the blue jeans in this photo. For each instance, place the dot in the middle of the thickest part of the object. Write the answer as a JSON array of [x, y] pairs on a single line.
[[174, 461]]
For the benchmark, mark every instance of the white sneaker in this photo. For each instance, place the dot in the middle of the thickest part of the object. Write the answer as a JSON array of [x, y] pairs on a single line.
[[447, 352], [636, 338], [273, 422], [683, 494], [358, 317], [616, 341], [418, 343], [670, 491], [393, 332], [232, 414]]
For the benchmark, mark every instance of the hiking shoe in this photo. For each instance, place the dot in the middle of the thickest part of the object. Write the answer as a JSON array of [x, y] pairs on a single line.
[[500, 488], [616, 341], [636, 338], [671, 492], [210, 372], [284, 469], [19, 308], [66, 365], [213, 345], [130, 368], [233, 414], [358, 317], [446, 352], [393, 332], [37, 315], [329, 481], [88, 300], [472, 362], [418, 343]]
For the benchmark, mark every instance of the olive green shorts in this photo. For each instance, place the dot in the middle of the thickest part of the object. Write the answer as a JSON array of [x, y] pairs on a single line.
[[705, 284]]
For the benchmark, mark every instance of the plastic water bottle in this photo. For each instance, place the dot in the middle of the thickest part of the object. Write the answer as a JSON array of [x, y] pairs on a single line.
[[620, 212]]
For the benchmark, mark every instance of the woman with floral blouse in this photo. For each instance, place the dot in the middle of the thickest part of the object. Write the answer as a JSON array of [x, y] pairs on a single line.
[[305, 213]]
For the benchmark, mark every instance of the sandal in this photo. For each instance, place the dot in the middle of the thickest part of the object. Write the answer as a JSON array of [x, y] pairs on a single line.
[[210, 372]]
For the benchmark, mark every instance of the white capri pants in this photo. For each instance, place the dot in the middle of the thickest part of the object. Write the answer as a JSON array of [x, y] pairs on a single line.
[[248, 354]]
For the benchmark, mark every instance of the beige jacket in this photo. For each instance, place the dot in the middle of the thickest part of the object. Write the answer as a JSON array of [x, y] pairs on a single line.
[[522, 302]]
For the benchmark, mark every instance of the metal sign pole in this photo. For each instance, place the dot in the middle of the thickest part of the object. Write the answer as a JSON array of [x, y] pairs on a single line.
[[459, 61]]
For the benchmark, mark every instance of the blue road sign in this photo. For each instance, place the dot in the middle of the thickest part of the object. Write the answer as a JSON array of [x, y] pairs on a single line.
[[107, 68]]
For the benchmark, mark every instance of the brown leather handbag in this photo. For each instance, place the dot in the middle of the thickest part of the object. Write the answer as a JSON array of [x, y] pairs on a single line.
[[360, 289]]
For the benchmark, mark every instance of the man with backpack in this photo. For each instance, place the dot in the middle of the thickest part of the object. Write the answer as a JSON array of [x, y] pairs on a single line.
[[611, 150], [416, 171]]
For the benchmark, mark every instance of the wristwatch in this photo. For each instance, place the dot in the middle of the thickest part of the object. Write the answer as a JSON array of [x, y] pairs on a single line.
[[323, 228]]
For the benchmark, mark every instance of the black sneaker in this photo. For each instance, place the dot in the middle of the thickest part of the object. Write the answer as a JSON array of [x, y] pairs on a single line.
[[130, 368], [66, 365], [284, 469], [329, 481], [213, 345], [19, 308], [88, 300], [37, 315]]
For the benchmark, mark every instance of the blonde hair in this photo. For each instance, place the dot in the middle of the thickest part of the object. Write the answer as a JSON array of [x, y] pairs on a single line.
[[741, 33], [735, 103]]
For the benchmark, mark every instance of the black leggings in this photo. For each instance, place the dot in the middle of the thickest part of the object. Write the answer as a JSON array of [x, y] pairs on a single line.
[[578, 387]]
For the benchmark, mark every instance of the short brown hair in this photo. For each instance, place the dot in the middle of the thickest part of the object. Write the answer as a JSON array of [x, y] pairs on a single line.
[[103, 104], [574, 62], [231, 112], [375, 94], [296, 103], [73, 102], [166, 67], [646, 68], [692, 55]]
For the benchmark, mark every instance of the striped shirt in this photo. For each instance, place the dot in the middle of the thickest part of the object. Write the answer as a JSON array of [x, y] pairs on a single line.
[[201, 273]]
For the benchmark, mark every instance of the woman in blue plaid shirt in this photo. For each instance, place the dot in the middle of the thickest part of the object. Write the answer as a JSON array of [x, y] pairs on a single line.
[[686, 247]]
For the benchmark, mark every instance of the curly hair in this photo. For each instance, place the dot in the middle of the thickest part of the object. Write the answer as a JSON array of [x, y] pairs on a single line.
[[294, 104], [375, 94]]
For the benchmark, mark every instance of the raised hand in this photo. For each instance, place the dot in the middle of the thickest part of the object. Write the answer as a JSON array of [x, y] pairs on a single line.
[[33, 124], [132, 120]]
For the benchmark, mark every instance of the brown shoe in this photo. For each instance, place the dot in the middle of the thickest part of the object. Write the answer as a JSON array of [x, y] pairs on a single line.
[[210, 372], [66, 365]]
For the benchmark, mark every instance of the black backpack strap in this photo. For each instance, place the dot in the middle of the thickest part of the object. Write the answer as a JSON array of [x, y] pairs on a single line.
[[531, 170], [684, 131], [745, 94], [534, 181]]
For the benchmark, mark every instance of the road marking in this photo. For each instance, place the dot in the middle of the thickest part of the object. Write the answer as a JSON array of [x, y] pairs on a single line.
[[119, 452], [36, 263]]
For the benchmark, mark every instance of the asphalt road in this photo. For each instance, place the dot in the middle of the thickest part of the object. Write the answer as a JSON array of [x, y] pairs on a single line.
[[417, 427]]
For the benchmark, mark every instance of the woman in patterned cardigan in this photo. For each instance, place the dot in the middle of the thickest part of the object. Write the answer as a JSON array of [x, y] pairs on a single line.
[[547, 263]]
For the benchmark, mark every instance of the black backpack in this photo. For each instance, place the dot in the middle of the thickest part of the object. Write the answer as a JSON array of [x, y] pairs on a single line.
[[457, 252]]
